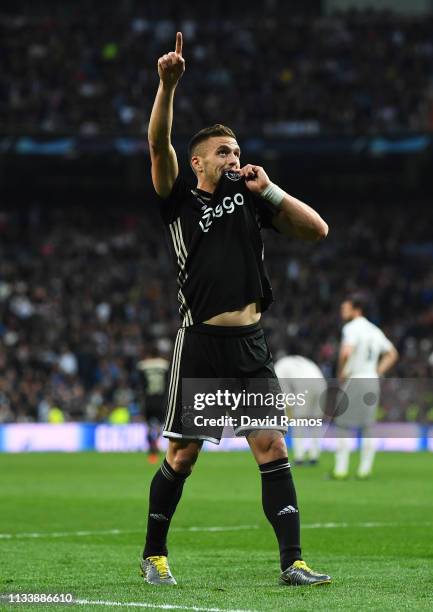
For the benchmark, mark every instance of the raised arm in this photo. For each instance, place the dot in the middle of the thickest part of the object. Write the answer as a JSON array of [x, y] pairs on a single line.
[[292, 217], [162, 154]]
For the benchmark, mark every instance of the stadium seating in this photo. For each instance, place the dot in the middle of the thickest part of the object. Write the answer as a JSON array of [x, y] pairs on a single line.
[[71, 68], [84, 294]]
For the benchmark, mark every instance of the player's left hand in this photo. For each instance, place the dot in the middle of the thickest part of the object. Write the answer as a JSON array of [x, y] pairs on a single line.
[[256, 178]]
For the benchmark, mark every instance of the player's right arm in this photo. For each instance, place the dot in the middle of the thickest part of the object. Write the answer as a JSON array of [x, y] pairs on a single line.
[[387, 360], [162, 154]]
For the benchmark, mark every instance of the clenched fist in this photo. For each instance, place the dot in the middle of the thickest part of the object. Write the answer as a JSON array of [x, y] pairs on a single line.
[[171, 66], [256, 178]]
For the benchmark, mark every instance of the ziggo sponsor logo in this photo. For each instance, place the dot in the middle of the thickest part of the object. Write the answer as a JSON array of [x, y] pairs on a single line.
[[228, 206]]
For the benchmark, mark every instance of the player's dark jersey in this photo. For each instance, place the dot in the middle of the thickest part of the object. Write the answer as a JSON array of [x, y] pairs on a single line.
[[216, 242]]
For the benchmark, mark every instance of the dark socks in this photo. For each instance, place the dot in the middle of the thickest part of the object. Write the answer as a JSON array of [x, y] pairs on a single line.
[[281, 508], [165, 493]]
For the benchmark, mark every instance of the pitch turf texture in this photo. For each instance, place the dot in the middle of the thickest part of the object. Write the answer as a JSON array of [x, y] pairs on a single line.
[[375, 538]]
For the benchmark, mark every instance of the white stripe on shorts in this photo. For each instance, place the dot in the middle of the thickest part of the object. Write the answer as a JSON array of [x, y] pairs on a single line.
[[174, 379]]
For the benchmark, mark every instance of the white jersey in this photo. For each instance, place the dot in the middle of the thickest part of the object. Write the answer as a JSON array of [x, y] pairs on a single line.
[[293, 371], [296, 366], [368, 343]]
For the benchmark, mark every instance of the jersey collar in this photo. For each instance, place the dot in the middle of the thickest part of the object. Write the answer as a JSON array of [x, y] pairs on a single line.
[[203, 194]]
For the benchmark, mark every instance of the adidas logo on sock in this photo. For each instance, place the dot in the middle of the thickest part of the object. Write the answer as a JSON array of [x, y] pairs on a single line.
[[158, 517], [287, 510]]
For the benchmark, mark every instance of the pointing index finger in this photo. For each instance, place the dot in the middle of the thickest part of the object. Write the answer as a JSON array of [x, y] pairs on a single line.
[[179, 43]]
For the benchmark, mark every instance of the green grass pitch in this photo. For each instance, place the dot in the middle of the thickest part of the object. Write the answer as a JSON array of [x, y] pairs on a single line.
[[375, 538]]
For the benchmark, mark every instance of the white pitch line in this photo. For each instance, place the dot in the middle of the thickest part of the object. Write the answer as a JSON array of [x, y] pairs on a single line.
[[59, 534], [215, 529], [228, 528], [81, 533], [136, 604], [369, 525]]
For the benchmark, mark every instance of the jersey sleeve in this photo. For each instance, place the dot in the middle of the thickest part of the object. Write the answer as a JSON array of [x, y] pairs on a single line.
[[264, 213], [172, 205]]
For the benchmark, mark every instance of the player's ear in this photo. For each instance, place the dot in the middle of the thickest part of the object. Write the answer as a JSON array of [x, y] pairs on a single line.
[[196, 164]]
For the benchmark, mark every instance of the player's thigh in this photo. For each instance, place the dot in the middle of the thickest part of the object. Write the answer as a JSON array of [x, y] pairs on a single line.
[[192, 367], [249, 362], [182, 454]]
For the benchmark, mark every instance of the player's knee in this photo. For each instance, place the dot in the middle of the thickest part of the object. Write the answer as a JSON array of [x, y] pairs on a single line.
[[268, 446], [183, 462], [182, 459], [277, 448]]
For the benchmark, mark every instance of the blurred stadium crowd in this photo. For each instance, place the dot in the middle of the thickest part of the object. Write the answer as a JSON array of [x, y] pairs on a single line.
[[88, 68], [85, 293]]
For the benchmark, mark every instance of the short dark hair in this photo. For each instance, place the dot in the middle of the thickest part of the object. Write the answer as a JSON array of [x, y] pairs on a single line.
[[214, 130], [358, 300]]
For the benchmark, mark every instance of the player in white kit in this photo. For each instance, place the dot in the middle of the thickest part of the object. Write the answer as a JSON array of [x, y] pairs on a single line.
[[365, 355], [298, 374]]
